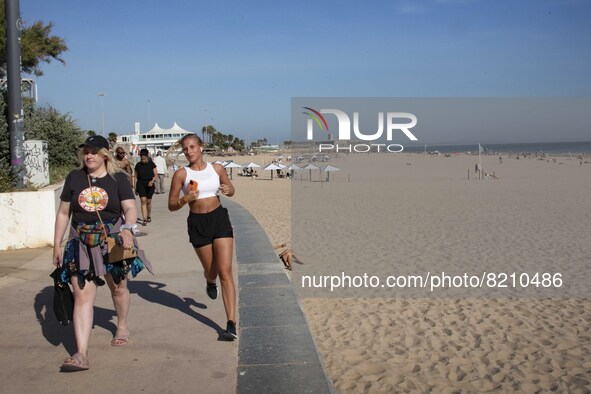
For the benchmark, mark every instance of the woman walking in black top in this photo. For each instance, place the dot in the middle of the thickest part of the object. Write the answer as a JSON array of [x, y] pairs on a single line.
[[146, 175]]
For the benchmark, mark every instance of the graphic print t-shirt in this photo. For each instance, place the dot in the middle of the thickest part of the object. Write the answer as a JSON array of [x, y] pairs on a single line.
[[105, 195]]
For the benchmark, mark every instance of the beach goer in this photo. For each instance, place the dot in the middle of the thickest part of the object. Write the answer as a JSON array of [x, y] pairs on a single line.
[[146, 175], [124, 163], [287, 256], [162, 171], [98, 187], [208, 224]]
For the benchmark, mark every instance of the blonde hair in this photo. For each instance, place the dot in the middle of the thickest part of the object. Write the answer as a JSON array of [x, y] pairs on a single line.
[[186, 137], [110, 165]]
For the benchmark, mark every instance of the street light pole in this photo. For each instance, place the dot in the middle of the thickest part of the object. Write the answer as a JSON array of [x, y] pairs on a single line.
[[102, 95], [16, 115], [205, 130], [149, 121]]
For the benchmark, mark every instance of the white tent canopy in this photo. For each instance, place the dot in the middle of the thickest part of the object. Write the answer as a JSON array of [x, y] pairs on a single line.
[[176, 129], [156, 130]]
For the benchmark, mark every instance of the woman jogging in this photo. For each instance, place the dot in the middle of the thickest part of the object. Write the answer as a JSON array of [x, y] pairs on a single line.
[[208, 224]]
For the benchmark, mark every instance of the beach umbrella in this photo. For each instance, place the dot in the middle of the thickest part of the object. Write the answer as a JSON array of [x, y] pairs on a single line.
[[251, 165], [293, 167], [273, 167], [231, 165], [328, 168], [311, 167], [218, 162]]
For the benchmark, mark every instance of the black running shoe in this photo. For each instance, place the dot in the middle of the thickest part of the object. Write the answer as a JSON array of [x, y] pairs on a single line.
[[212, 290], [230, 333]]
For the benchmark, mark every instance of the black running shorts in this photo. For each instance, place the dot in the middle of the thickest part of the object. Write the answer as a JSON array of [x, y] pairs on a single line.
[[143, 190], [203, 228]]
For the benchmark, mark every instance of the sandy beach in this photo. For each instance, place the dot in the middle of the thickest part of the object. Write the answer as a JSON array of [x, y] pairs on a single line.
[[532, 218]]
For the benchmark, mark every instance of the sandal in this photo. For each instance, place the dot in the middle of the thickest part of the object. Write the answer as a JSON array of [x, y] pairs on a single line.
[[78, 362], [120, 339], [149, 220]]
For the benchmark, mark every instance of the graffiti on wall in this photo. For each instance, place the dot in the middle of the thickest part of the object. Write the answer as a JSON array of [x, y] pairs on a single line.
[[37, 162]]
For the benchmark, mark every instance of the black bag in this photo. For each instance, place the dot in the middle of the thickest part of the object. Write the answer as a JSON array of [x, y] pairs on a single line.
[[63, 300]]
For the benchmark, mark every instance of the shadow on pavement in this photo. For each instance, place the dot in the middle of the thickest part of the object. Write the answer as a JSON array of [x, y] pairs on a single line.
[[152, 291], [57, 334]]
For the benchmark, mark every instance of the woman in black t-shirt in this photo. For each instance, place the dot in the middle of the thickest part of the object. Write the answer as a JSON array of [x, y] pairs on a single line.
[[98, 191], [146, 174]]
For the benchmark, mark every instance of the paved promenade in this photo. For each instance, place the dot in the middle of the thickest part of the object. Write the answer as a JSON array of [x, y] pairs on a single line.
[[174, 326]]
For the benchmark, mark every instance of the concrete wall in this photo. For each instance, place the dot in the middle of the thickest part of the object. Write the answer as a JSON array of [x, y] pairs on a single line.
[[27, 218]]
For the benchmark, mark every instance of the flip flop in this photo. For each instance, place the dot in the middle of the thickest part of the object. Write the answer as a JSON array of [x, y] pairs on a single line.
[[75, 363], [120, 339], [149, 220]]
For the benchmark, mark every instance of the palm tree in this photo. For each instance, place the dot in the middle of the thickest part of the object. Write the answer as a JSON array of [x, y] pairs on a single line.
[[112, 138]]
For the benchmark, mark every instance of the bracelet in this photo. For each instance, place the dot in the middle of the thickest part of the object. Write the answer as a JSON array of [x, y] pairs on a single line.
[[131, 227]]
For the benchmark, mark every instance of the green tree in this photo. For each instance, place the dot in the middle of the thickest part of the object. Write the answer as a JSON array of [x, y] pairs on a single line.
[[61, 133], [37, 46], [238, 144], [90, 133], [112, 138], [208, 134]]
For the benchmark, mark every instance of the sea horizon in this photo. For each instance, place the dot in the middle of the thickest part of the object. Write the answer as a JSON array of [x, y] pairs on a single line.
[[572, 147]]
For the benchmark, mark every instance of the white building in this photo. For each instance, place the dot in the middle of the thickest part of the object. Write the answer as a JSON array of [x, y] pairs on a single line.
[[156, 139]]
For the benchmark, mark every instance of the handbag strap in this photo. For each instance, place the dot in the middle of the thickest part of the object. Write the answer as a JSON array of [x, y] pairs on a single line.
[[96, 209]]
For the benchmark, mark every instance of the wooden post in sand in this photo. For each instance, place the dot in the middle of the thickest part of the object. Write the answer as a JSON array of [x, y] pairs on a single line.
[[468, 173]]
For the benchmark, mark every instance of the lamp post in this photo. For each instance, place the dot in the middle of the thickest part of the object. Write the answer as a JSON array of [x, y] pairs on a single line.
[[16, 118], [149, 121], [205, 130], [102, 95]]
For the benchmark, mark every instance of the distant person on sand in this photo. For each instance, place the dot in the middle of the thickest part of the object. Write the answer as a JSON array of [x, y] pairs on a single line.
[[209, 227], [146, 175], [287, 256]]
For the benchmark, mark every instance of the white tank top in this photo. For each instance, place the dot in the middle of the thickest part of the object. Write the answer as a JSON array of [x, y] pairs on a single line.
[[208, 181]]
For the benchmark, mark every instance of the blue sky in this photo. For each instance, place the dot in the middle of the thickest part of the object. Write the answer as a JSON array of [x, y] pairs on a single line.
[[236, 64]]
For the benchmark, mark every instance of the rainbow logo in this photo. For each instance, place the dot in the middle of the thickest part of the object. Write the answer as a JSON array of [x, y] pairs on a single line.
[[316, 115]]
